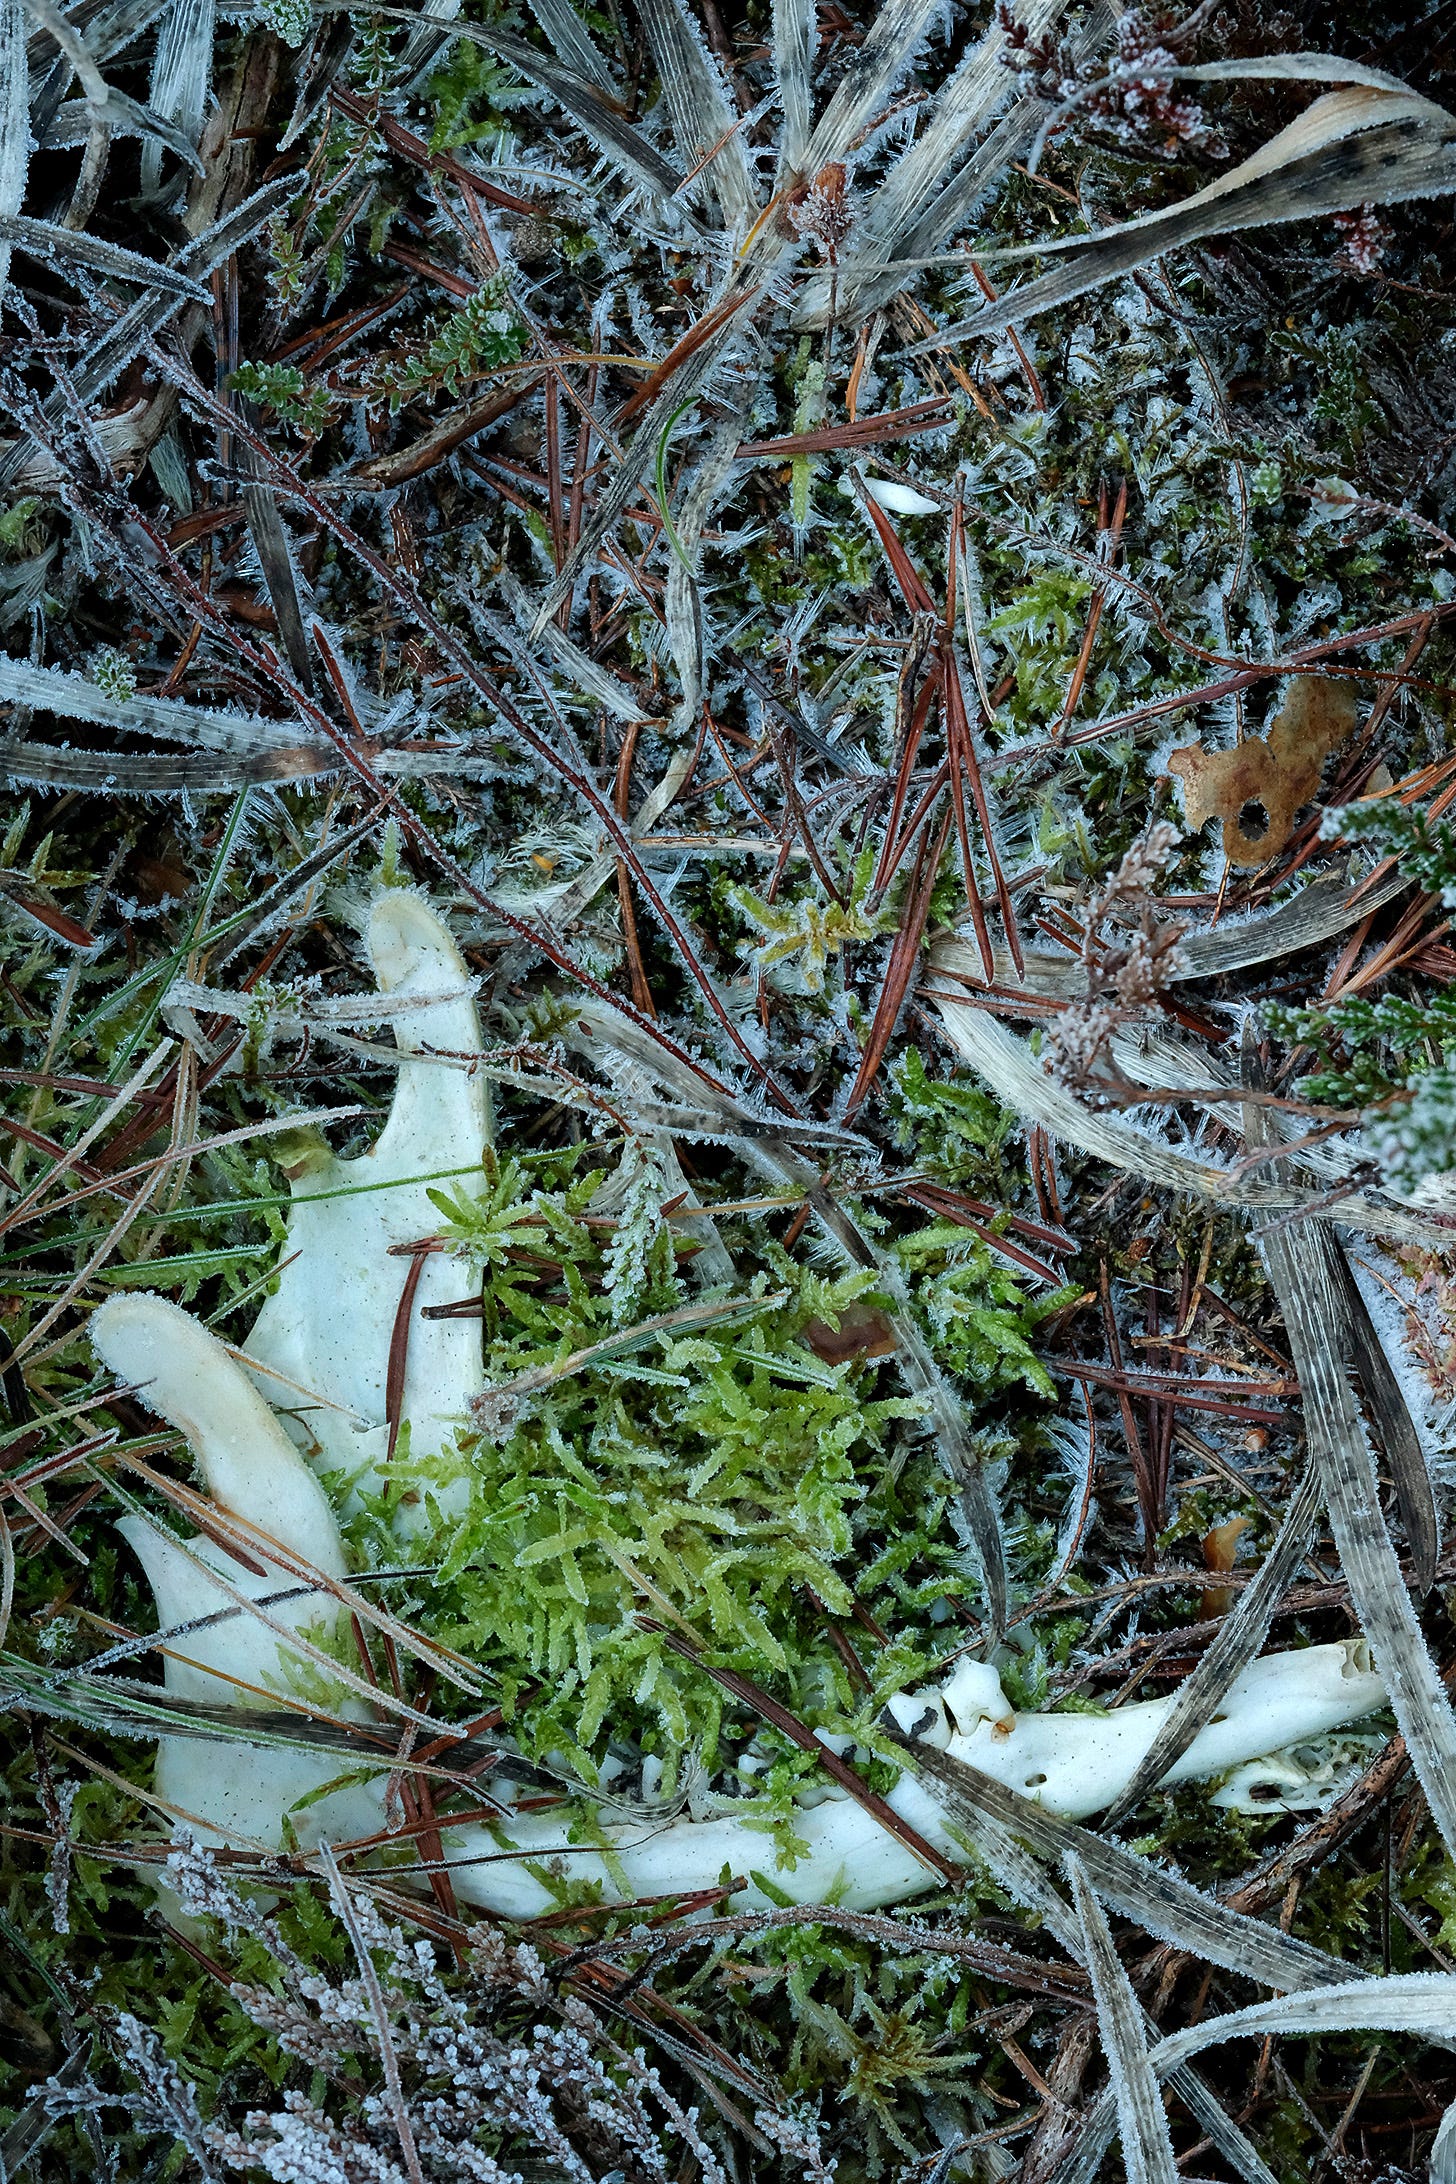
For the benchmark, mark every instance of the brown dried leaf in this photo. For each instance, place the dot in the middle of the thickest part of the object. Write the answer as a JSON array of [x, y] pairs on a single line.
[[862, 1332], [1257, 788], [1220, 1552]]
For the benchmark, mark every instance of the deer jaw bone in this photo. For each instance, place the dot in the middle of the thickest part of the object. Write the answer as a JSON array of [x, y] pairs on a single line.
[[329, 1328], [254, 1473], [1073, 1764]]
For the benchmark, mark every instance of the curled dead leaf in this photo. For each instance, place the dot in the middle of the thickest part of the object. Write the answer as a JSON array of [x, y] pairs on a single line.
[[863, 1331], [1257, 788], [1220, 1552]]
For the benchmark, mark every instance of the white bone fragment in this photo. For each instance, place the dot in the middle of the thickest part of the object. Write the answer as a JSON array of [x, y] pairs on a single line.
[[252, 1469], [1306, 1778], [329, 1325], [1073, 1764]]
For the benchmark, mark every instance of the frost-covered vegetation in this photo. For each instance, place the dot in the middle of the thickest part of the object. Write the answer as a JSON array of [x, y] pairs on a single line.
[[914, 1208]]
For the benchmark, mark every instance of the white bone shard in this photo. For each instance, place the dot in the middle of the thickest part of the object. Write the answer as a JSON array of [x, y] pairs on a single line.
[[329, 1328], [329, 1325], [252, 1470]]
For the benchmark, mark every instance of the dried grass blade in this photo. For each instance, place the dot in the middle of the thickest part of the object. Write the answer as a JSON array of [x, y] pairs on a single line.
[[565, 37], [1236, 1644], [1395, 1431], [1423, 2003], [701, 111], [74, 697], [917, 206], [46, 241], [180, 74], [1024, 1881], [1147, 2152], [874, 71], [379, 2012], [795, 34], [907, 576], [14, 121], [400, 465], [1352, 147], [119, 346], [600, 119], [1018, 1080], [1160, 1901], [1305, 1270], [270, 543], [41, 765]]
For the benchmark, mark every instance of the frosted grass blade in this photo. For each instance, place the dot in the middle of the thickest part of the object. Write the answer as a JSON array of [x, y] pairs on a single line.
[[1142, 2127]]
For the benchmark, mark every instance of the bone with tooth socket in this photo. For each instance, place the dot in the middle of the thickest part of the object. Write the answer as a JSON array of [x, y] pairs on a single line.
[[328, 1327]]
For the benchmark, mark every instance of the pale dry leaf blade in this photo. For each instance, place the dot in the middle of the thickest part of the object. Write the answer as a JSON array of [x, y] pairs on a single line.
[[1300, 1261], [74, 697], [570, 43], [795, 32], [14, 121], [1235, 1645], [181, 71], [1353, 147], [1395, 1431], [1027, 1884], [1327, 906], [875, 70], [933, 186], [42, 765], [270, 544], [45, 240], [145, 317], [703, 120], [1423, 2003], [1008, 1066], [1167, 1906], [1143, 2130]]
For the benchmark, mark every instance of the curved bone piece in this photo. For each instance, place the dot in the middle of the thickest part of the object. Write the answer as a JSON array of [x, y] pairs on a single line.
[[329, 1326], [252, 1470], [1073, 1764]]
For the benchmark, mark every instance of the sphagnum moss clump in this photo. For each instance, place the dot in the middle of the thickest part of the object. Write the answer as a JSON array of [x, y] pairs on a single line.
[[704, 1401]]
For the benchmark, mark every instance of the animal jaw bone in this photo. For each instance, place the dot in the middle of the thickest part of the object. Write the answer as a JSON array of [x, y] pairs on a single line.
[[255, 1474], [328, 1328]]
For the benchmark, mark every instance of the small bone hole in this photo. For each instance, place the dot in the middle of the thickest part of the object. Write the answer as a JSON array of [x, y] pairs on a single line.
[[1034, 1781]]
